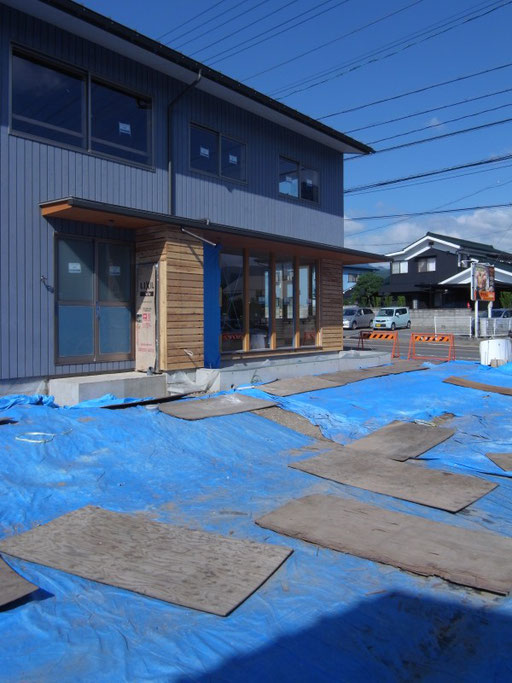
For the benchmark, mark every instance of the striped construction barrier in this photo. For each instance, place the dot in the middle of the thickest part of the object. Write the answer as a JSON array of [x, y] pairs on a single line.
[[419, 338], [380, 336]]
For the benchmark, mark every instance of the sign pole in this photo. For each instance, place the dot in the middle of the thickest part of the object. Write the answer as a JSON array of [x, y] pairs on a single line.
[[476, 318]]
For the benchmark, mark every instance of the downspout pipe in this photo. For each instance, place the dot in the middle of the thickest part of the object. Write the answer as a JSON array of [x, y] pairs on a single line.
[[170, 108]]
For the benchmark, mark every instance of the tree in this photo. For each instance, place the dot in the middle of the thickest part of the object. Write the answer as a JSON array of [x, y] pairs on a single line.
[[366, 289], [506, 299]]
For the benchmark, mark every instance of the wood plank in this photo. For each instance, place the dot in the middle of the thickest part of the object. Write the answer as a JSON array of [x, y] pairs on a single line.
[[407, 481], [400, 440], [12, 585], [349, 376], [190, 568], [199, 409], [503, 460], [469, 384], [478, 559], [297, 385]]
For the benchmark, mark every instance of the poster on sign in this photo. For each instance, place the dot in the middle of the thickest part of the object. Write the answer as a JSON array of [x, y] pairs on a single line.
[[482, 282], [145, 319]]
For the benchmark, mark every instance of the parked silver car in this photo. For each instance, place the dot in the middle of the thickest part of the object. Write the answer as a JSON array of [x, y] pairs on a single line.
[[354, 317]]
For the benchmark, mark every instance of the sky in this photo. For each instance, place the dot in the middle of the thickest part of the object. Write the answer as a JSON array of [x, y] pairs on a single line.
[[354, 53]]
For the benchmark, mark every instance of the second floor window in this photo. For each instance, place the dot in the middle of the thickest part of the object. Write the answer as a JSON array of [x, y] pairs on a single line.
[[297, 181], [217, 154], [66, 106], [398, 267], [427, 265]]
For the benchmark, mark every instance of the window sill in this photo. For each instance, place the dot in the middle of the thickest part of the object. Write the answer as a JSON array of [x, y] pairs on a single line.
[[258, 353]]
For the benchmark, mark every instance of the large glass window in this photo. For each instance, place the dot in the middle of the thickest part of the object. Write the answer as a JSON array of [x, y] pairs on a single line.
[[284, 304], [399, 267], [48, 101], [204, 150], [307, 303], [259, 301], [309, 184], [232, 159], [120, 123], [232, 300]]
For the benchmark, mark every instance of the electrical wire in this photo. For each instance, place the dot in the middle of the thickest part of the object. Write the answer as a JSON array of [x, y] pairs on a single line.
[[432, 213], [429, 111], [331, 42], [287, 92], [441, 123], [263, 33], [196, 16], [204, 23], [228, 21], [425, 174], [422, 141]]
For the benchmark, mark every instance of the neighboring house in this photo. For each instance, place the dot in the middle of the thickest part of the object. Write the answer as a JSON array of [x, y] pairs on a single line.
[[135, 184], [351, 274], [435, 271]]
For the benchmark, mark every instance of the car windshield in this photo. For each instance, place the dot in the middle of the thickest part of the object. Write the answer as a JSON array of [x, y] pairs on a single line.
[[386, 312], [497, 313], [349, 311]]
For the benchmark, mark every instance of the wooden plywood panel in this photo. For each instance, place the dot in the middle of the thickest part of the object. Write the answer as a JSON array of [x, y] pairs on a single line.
[[503, 460], [229, 404], [189, 568], [400, 440], [297, 385], [331, 304], [12, 585], [490, 388], [407, 481], [479, 559]]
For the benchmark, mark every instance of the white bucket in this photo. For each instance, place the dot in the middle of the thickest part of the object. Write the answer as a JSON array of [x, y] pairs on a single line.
[[495, 349]]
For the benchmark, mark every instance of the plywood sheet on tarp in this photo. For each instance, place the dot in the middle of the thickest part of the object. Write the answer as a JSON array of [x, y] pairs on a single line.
[[400, 440], [469, 384], [12, 585], [343, 377], [479, 559], [189, 568], [228, 404], [297, 385], [408, 481], [503, 460], [7, 421]]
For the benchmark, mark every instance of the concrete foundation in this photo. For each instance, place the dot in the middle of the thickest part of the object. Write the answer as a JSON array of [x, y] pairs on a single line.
[[69, 391]]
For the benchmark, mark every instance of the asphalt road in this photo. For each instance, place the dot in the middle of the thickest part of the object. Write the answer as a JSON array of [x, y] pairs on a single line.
[[466, 348]]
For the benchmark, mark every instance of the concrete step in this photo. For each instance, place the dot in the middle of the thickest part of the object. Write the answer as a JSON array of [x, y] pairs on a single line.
[[69, 391]]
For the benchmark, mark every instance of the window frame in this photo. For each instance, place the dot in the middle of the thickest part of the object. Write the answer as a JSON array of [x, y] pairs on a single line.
[[400, 265], [301, 166], [88, 76], [426, 260], [220, 136], [96, 356]]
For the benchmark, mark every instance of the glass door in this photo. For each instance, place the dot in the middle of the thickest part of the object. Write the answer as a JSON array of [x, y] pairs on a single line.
[[94, 301]]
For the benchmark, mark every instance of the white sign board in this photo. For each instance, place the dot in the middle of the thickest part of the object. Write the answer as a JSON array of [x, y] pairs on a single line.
[[145, 317]]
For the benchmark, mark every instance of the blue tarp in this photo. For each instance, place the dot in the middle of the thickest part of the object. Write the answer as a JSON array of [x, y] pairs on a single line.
[[323, 615]]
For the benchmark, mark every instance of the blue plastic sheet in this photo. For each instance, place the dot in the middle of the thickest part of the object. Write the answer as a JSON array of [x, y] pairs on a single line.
[[323, 615]]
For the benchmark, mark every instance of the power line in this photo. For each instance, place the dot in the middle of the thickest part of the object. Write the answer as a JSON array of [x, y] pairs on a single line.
[[442, 123], [284, 30], [433, 180], [196, 16], [416, 91], [431, 213], [429, 111], [242, 28], [204, 23], [376, 58], [433, 139], [330, 42], [425, 174]]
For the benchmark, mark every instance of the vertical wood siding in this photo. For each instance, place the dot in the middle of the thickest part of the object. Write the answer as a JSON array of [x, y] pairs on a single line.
[[331, 305]]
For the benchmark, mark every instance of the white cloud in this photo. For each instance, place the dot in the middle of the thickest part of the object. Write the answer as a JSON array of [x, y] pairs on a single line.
[[489, 226]]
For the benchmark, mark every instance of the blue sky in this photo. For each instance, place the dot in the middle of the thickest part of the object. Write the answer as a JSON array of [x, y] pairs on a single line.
[[470, 47]]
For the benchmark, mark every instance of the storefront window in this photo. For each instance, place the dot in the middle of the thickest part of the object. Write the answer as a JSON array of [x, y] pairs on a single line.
[[259, 301], [284, 304], [307, 303], [232, 303]]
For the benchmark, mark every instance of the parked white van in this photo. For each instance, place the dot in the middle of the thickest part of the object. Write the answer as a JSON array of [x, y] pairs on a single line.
[[391, 318]]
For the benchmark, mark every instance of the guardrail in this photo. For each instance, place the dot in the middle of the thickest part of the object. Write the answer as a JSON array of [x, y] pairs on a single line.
[[465, 326]]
